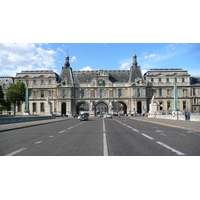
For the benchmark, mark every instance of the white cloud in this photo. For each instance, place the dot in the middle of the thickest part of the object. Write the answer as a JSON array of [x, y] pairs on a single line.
[[86, 69], [144, 71], [15, 57], [73, 59], [124, 66], [149, 56]]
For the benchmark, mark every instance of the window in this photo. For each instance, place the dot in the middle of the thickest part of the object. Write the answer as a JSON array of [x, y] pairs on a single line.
[[160, 91], [184, 106], [161, 105], [101, 93], [194, 91], [42, 93], [160, 79], [138, 92], [27, 82], [50, 81], [175, 80], [82, 93], [34, 107], [42, 81], [19, 108], [119, 93], [168, 105], [64, 93], [42, 107], [167, 79], [34, 81], [183, 79], [152, 79]]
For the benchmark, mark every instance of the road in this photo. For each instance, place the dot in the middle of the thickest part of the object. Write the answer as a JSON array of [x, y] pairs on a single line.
[[100, 137]]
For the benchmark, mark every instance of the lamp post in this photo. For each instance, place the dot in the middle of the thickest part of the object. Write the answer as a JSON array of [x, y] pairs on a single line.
[[26, 111], [176, 100]]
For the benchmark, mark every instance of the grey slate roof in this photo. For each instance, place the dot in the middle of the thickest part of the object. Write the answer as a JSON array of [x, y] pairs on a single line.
[[114, 75], [37, 73], [6, 81], [195, 80]]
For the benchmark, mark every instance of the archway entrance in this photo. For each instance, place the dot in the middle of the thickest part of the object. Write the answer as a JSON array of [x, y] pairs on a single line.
[[81, 107], [101, 107], [139, 107], [120, 107], [63, 108]]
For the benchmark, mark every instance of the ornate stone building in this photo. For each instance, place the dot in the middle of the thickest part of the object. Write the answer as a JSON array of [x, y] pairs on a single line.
[[109, 91]]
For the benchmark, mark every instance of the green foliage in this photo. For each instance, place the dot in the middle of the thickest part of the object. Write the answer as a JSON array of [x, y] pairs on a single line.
[[1, 95], [16, 93]]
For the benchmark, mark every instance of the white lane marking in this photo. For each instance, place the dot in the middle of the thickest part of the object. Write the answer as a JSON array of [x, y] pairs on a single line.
[[135, 130], [105, 147], [147, 136], [182, 134], [172, 149], [159, 131], [129, 127], [104, 126], [70, 127], [15, 152], [62, 131], [51, 136], [163, 134], [38, 142]]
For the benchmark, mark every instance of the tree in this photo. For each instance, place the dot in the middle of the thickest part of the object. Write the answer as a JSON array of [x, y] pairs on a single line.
[[1, 95], [16, 94]]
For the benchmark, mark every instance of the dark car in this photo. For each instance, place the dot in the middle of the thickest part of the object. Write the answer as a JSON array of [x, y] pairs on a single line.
[[83, 117]]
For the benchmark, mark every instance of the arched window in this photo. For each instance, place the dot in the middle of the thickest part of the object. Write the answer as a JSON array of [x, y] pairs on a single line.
[[161, 105], [42, 107], [168, 105], [34, 107]]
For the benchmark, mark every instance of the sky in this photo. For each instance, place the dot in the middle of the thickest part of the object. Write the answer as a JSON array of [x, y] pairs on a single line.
[[16, 57]]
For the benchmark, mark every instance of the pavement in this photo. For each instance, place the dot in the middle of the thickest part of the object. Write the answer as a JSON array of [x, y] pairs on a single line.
[[11, 126], [189, 125]]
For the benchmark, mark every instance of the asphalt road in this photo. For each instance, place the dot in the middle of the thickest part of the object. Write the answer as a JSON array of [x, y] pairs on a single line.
[[100, 137]]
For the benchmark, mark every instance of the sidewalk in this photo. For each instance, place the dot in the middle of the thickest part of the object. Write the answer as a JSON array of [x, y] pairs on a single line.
[[11, 126], [189, 125]]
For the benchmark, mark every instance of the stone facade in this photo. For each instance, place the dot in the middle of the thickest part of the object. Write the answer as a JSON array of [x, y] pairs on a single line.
[[111, 91]]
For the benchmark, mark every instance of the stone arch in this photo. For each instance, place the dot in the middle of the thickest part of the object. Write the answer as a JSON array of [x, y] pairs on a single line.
[[63, 108], [82, 106], [120, 107], [101, 107]]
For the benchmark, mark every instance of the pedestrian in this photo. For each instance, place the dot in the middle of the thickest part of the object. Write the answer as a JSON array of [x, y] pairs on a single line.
[[146, 115], [186, 116]]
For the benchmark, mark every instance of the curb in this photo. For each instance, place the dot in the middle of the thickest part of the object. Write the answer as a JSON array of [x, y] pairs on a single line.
[[25, 126], [175, 126]]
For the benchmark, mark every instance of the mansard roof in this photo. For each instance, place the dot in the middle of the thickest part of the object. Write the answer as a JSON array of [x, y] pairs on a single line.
[[167, 72], [37, 74], [114, 75], [6, 81], [195, 80]]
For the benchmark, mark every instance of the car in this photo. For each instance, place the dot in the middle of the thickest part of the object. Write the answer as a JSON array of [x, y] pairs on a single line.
[[109, 116], [83, 117]]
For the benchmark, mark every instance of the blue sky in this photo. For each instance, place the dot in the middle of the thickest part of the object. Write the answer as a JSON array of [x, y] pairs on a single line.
[[15, 57]]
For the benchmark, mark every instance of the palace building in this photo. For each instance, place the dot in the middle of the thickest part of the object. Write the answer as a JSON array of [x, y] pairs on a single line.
[[107, 91]]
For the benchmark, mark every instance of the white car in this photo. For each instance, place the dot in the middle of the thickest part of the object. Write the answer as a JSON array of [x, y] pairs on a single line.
[[109, 116]]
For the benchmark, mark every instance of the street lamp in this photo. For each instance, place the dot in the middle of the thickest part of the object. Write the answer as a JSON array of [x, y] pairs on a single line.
[[26, 111]]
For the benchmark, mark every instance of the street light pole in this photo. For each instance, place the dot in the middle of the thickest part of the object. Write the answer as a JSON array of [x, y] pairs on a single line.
[[175, 100], [26, 111]]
